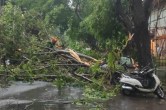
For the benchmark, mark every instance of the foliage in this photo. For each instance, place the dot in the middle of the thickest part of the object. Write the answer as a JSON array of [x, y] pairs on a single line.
[[95, 98], [95, 68], [91, 93], [55, 13], [27, 25], [11, 29], [99, 22], [82, 47], [18, 30]]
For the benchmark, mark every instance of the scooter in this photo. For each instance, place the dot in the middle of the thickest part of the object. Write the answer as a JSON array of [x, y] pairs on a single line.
[[144, 80]]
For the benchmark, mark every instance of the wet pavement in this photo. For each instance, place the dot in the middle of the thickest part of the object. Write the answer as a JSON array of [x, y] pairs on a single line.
[[37, 96], [45, 96], [136, 102]]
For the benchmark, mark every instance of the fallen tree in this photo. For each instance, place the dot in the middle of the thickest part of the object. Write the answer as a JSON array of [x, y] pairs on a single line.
[[55, 63]]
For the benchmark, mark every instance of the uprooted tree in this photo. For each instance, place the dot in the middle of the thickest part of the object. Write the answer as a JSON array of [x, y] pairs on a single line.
[[134, 15]]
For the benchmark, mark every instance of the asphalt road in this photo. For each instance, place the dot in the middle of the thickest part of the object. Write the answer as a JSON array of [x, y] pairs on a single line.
[[44, 96], [136, 102]]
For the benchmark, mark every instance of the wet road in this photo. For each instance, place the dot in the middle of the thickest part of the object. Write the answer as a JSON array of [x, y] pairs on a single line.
[[45, 96], [136, 102], [37, 96]]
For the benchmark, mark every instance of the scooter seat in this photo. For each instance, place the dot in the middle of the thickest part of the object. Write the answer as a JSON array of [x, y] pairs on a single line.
[[138, 77], [135, 72]]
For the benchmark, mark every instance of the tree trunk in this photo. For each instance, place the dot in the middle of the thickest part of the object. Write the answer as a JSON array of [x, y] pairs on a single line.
[[136, 22], [142, 42], [141, 12]]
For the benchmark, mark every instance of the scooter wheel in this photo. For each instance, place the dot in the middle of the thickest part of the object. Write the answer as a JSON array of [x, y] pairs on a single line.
[[159, 92], [126, 92]]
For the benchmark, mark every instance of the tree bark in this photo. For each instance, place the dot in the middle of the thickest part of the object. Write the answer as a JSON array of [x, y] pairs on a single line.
[[142, 42], [141, 12]]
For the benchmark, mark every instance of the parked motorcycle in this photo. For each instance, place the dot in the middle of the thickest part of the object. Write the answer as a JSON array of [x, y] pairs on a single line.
[[144, 80]]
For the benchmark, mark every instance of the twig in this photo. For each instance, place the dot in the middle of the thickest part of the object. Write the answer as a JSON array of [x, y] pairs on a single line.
[[25, 57], [26, 107], [67, 52], [83, 77], [83, 65], [67, 56]]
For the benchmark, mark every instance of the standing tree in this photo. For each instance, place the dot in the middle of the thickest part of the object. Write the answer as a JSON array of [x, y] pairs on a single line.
[[134, 15], [96, 24]]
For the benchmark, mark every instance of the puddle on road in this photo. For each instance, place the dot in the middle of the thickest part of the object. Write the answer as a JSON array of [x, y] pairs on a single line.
[[38, 96]]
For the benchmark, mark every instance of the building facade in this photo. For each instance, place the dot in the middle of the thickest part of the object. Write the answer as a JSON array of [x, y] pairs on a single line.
[[157, 26]]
